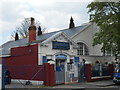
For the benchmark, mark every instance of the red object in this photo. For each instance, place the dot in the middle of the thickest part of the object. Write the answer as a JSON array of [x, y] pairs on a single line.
[[47, 78], [88, 70], [49, 74], [111, 70], [23, 63], [27, 72], [25, 55], [52, 75], [32, 33]]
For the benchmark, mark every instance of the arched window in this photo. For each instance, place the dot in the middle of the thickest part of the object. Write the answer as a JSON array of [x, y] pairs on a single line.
[[82, 49]]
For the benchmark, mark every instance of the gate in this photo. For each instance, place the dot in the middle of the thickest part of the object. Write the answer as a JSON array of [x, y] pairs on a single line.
[[60, 74], [81, 72]]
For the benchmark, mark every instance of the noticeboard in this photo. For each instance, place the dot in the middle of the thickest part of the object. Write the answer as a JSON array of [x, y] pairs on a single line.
[[60, 45]]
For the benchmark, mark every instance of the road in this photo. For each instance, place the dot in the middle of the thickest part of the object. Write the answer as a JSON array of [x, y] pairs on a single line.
[[98, 85]]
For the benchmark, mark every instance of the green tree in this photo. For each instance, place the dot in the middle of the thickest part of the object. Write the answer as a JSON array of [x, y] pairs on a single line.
[[107, 16]]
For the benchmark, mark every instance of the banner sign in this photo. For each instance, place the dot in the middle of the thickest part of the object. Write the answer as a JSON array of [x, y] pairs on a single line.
[[60, 56], [61, 45]]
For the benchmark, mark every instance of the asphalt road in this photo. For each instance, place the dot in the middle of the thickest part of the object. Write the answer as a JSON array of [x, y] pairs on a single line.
[[98, 85], [62, 89], [103, 89], [45, 89]]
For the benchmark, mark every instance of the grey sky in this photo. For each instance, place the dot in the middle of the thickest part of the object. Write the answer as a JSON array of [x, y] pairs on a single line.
[[52, 14]]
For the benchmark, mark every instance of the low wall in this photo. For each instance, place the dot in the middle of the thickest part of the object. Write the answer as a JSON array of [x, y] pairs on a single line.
[[33, 82], [34, 73], [27, 72]]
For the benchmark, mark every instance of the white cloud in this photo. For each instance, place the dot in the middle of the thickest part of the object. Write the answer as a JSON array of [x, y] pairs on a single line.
[[52, 30], [6, 26], [52, 14]]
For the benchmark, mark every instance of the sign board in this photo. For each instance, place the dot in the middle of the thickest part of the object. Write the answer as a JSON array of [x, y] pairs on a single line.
[[44, 59], [60, 56], [61, 45], [76, 59]]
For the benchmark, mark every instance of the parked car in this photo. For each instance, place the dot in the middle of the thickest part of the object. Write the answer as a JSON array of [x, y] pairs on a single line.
[[7, 77], [116, 78]]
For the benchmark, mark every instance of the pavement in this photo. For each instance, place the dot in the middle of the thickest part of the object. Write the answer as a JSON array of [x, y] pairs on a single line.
[[94, 84], [107, 84]]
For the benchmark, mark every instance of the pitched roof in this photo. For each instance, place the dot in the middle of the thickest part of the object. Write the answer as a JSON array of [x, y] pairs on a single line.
[[5, 48], [56, 35]]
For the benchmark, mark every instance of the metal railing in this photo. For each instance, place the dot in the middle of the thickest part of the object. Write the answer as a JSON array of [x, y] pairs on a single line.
[[100, 70]]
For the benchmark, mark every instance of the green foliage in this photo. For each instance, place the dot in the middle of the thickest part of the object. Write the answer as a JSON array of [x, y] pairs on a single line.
[[107, 16]]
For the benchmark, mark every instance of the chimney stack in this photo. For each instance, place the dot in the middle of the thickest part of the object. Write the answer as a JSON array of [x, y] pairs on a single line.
[[32, 31]]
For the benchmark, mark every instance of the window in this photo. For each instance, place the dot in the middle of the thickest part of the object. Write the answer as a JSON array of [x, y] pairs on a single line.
[[107, 53], [82, 49]]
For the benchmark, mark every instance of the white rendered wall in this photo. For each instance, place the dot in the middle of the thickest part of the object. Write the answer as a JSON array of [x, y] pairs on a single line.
[[86, 36], [101, 59], [46, 50]]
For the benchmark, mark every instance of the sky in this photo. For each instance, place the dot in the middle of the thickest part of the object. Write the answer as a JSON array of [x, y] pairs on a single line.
[[52, 14]]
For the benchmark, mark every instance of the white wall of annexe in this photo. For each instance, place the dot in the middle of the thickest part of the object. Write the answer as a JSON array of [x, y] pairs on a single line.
[[86, 36], [50, 53], [46, 49]]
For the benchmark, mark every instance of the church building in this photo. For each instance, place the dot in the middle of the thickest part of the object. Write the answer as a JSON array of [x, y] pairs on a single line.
[[64, 48]]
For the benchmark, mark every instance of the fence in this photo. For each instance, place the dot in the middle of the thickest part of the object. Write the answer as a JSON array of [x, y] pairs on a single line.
[[100, 70], [47, 73]]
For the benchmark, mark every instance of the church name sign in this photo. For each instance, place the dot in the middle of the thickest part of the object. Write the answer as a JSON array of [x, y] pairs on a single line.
[[61, 45]]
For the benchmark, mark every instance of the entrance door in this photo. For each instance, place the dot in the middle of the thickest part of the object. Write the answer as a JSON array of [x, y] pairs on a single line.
[[60, 71], [60, 68]]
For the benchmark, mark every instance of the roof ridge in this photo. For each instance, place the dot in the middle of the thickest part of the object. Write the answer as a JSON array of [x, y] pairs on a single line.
[[65, 29]]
